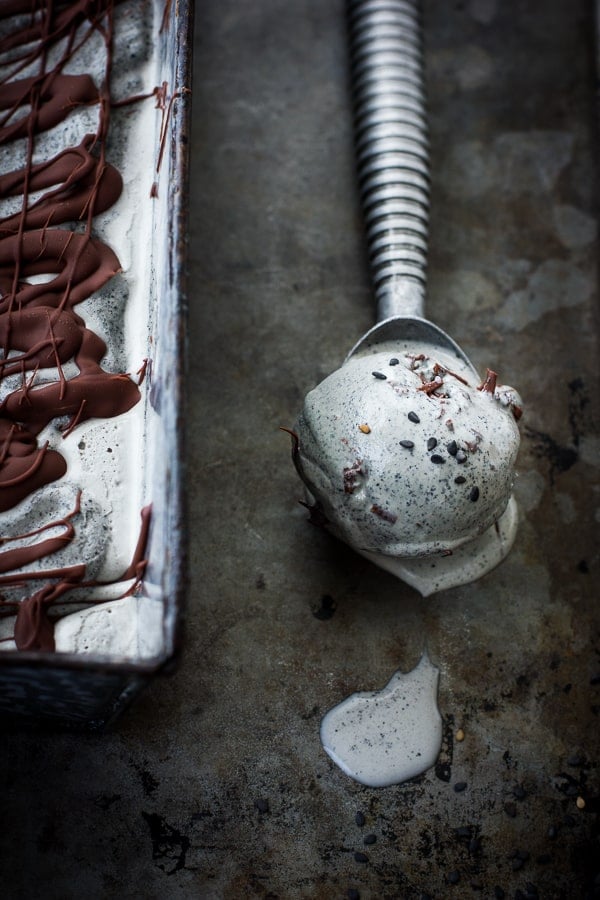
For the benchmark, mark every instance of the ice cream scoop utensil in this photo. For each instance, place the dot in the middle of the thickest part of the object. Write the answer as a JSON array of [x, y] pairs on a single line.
[[408, 456], [392, 151]]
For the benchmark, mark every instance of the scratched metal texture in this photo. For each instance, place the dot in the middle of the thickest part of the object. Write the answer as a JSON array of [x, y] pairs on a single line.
[[214, 784]]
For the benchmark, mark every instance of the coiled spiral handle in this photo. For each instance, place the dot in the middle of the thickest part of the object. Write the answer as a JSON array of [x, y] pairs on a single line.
[[392, 148]]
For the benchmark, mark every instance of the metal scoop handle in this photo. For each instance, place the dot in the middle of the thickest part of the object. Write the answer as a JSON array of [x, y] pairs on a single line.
[[392, 148]]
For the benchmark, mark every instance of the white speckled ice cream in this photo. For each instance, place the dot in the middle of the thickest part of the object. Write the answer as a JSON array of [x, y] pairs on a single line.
[[110, 460], [411, 462]]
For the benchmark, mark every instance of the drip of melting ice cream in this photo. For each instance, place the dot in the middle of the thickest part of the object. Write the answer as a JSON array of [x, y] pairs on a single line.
[[410, 460], [385, 737]]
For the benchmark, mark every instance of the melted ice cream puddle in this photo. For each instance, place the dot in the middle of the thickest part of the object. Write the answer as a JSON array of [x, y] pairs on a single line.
[[384, 737]]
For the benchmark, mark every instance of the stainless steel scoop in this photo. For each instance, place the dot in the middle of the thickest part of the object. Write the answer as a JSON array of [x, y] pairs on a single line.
[[392, 150], [344, 483]]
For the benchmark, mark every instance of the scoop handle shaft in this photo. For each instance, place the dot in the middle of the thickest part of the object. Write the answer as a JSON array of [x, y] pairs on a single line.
[[392, 148]]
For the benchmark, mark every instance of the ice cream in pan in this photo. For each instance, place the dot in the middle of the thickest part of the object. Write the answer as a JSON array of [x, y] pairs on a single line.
[[78, 151], [407, 453]]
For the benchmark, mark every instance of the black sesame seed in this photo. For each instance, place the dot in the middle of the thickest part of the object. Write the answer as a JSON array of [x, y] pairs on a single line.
[[393, 361], [460, 479], [431, 443], [453, 877], [359, 819], [517, 864], [352, 894], [452, 448], [544, 858], [261, 805], [552, 832], [474, 494], [414, 417], [499, 893], [379, 375], [369, 839], [437, 459], [575, 760], [460, 786], [519, 792], [523, 855], [463, 831], [510, 809], [407, 444], [361, 857]]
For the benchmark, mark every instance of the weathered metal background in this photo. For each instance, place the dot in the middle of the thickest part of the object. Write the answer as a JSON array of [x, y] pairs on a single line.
[[214, 784]]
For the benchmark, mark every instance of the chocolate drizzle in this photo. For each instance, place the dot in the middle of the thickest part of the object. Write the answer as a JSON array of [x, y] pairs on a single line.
[[52, 236], [34, 625], [77, 173]]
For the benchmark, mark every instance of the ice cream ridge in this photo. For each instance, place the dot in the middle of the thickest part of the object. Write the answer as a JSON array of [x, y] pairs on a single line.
[[56, 181], [408, 456]]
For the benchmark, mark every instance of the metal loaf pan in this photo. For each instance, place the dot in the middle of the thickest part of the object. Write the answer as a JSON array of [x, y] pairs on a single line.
[[39, 689]]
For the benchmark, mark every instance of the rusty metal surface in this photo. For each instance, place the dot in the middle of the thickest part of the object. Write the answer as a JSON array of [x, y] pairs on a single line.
[[214, 784]]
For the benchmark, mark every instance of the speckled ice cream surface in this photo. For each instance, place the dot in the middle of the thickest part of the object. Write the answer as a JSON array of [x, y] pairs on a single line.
[[409, 461], [381, 738], [106, 459]]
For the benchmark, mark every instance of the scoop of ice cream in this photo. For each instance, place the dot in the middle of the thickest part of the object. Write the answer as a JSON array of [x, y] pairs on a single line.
[[406, 454]]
